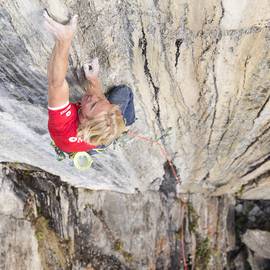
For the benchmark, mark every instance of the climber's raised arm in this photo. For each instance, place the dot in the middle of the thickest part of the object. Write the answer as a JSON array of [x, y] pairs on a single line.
[[58, 90], [94, 85]]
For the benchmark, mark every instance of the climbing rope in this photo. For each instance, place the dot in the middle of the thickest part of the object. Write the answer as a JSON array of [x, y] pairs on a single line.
[[163, 152], [166, 155]]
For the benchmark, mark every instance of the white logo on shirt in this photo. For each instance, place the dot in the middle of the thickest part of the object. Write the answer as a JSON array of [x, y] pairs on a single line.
[[68, 113], [75, 139], [72, 139]]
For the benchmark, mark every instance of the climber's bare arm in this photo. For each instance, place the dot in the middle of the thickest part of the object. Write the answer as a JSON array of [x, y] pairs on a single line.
[[94, 85], [58, 90]]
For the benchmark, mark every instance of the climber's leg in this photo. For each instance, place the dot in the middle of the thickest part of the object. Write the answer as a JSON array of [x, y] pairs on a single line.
[[58, 90], [122, 96]]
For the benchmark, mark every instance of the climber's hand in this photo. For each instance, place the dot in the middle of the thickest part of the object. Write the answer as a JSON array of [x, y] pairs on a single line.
[[91, 69], [60, 32]]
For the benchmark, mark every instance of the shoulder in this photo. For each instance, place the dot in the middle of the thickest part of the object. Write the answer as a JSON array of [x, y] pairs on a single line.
[[65, 110], [63, 118]]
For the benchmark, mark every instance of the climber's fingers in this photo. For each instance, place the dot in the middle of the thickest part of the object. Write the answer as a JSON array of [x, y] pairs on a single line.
[[48, 19], [49, 27], [73, 21], [45, 15], [95, 63], [60, 31], [91, 69], [87, 67], [91, 65], [88, 71]]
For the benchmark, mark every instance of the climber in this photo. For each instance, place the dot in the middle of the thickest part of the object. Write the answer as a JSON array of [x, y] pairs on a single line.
[[98, 119]]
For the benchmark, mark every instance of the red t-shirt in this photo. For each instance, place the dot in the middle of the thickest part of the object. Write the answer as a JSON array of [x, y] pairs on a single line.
[[63, 123]]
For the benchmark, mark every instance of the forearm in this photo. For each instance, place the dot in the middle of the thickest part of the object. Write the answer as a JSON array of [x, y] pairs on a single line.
[[94, 87], [58, 90], [58, 64]]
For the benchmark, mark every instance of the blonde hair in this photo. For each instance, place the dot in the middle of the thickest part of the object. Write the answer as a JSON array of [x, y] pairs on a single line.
[[103, 128]]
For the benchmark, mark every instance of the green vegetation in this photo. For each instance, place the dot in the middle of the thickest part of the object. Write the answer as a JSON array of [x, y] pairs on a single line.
[[239, 193], [203, 249], [39, 236], [192, 218], [128, 256], [203, 252], [52, 249], [89, 205], [119, 247]]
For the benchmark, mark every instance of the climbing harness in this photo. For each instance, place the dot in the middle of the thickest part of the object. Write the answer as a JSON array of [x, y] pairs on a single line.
[[81, 160], [59, 153]]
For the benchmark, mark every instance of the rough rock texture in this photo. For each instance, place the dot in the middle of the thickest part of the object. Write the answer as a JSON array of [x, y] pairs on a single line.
[[200, 69], [252, 227], [51, 225], [200, 75], [258, 241], [211, 231]]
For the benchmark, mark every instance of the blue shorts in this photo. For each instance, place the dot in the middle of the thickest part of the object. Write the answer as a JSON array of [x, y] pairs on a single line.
[[122, 96]]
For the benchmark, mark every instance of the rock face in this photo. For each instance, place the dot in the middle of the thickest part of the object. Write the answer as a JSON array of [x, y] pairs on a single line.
[[199, 72], [48, 224], [252, 229], [258, 241]]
